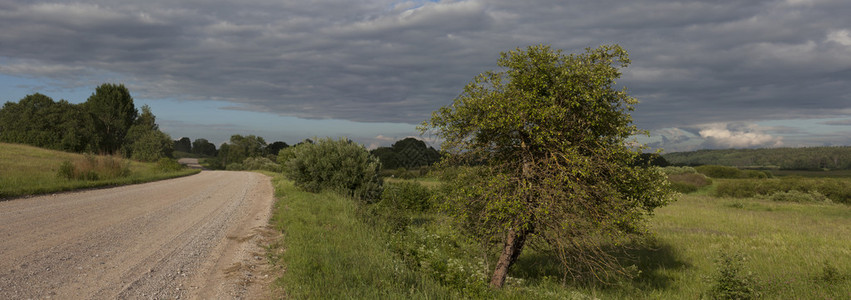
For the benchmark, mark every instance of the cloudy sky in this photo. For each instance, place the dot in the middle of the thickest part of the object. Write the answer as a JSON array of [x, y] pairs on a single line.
[[709, 74]]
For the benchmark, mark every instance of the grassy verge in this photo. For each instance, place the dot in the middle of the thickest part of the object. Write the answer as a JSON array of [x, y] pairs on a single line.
[[778, 250], [26, 170], [331, 254]]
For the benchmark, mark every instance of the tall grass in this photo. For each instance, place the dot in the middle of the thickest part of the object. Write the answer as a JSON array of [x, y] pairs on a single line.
[[782, 250], [835, 189], [331, 254], [27, 170]]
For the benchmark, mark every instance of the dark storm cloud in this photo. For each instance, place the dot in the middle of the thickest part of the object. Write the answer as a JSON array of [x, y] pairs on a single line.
[[694, 63]]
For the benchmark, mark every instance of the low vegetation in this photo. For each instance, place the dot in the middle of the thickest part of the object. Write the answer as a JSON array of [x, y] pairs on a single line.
[[27, 170], [836, 189], [703, 246], [812, 158]]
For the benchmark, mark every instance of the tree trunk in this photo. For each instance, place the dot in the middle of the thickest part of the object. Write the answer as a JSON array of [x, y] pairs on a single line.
[[515, 239], [513, 246]]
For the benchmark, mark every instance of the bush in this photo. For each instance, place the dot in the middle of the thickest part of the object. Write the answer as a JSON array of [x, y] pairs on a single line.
[[91, 167], [340, 165], [688, 182], [798, 196], [406, 196], [261, 163], [678, 170], [731, 281], [235, 167], [730, 172], [166, 165], [835, 189]]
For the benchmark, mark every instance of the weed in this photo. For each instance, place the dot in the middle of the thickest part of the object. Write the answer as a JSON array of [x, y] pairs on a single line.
[[731, 280]]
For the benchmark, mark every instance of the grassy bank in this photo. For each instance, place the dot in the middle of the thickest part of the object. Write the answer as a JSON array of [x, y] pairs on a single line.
[[331, 254], [27, 170], [779, 250]]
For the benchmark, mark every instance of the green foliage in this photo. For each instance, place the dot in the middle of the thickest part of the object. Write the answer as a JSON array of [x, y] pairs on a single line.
[[107, 122], [92, 167], [719, 171], [732, 281], [274, 148], [685, 179], [261, 163], [113, 111], [28, 170], [184, 144], [204, 148], [812, 158], [37, 120], [836, 189], [830, 274], [151, 146], [798, 196], [678, 170], [408, 153], [168, 165], [255, 163], [730, 172], [240, 148], [330, 253], [339, 165], [406, 196], [550, 133]]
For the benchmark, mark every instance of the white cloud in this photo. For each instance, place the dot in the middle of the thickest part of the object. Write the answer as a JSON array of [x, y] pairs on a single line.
[[842, 37], [737, 135]]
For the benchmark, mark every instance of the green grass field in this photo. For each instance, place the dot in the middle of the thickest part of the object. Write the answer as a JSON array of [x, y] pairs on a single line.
[[787, 250], [27, 170]]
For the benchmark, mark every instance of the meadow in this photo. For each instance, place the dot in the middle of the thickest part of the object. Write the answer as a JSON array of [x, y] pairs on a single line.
[[28, 170], [701, 246]]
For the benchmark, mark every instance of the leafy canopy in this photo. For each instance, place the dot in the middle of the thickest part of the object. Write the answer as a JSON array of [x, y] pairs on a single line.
[[549, 135]]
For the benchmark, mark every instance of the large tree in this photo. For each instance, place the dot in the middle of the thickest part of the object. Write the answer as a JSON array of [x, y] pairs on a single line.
[[549, 136], [144, 141], [39, 121], [113, 111], [184, 144], [203, 147]]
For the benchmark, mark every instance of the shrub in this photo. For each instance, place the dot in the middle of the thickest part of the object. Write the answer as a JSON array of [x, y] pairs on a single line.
[[91, 167], [719, 171], [235, 167], [406, 195], [731, 281], [260, 163], [798, 196], [688, 182], [678, 170], [340, 165], [835, 189], [166, 165], [730, 172]]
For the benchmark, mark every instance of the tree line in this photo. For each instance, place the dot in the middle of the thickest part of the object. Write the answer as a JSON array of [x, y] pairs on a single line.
[[811, 158], [107, 123]]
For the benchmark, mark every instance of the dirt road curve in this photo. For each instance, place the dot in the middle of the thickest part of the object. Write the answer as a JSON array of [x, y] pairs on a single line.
[[193, 237]]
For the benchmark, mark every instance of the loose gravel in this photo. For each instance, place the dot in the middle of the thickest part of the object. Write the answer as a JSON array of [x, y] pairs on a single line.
[[192, 237]]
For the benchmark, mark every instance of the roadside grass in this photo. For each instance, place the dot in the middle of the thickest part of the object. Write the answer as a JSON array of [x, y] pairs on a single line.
[[331, 254], [27, 170], [786, 250]]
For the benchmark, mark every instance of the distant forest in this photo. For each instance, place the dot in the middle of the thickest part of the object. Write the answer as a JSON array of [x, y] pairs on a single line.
[[812, 158]]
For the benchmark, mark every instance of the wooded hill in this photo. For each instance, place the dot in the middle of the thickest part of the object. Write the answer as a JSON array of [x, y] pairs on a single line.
[[811, 158]]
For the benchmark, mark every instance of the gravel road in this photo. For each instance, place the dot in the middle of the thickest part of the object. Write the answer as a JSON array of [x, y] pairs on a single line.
[[194, 237]]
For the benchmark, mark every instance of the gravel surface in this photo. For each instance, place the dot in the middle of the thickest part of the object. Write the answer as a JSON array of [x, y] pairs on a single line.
[[194, 237]]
